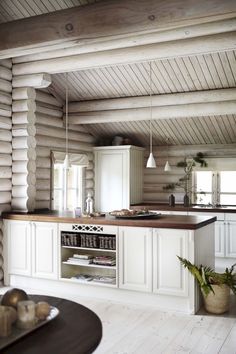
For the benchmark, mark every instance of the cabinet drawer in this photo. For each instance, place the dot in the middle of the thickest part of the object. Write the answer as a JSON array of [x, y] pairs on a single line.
[[230, 216]]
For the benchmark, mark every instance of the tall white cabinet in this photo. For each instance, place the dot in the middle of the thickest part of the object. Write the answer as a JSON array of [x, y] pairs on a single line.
[[118, 176]]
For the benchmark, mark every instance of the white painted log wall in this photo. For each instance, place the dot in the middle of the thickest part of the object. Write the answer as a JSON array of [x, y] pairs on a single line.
[[5, 146], [155, 179], [50, 135], [23, 146]]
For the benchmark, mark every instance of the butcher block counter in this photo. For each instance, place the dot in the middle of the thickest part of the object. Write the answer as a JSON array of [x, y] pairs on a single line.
[[161, 221]]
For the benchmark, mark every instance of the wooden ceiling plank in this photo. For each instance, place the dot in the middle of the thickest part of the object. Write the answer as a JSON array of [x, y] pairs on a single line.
[[212, 69], [181, 76], [192, 69], [132, 72], [199, 78], [220, 70], [227, 70], [232, 62], [173, 75], [186, 74], [193, 138], [218, 129], [206, 72], [169, 131], [197, 130], [230, 133], [161, 76], [211, 130], [222, 122], [114, 78], [127, 83]]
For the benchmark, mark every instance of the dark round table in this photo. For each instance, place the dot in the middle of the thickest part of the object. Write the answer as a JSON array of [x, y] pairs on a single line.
[[76, 330]]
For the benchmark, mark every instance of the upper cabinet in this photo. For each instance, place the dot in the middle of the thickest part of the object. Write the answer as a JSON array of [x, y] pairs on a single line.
[[118, 177]]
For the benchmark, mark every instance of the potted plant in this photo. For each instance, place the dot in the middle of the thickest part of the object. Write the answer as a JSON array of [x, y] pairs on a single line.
[[185, 182], [215, 287]]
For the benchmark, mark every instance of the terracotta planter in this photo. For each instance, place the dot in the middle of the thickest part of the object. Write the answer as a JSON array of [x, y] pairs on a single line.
[[217, 302]]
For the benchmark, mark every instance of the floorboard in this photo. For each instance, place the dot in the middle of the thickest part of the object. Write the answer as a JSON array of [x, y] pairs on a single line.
[[133, 329]]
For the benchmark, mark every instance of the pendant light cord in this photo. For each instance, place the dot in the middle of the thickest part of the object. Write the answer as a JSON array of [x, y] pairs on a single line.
[[66, 113], [150, 94]]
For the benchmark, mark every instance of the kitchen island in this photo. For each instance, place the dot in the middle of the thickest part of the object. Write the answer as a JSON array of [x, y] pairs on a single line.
[[139, 263]]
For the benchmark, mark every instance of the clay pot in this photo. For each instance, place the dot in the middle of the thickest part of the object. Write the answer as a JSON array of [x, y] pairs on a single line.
[[218, 302]]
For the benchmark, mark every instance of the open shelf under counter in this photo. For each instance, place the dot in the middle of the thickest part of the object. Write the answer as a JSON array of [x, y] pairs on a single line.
[[90, 249], [73, 280], [91, 265]]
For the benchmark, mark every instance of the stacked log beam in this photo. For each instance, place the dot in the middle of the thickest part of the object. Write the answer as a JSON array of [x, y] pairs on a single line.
[[5, 146], [23, 144], [50, 135]]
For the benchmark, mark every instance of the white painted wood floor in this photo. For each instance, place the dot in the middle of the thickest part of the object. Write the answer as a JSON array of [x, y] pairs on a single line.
[[134, 329]]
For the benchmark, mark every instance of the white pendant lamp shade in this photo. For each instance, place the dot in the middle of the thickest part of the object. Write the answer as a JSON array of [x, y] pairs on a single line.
[[66, 163], [167, 167], [151, 163]]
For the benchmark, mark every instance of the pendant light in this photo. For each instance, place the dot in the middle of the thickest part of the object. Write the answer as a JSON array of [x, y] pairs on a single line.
[[167, 167], [151, 163], [66, 161]]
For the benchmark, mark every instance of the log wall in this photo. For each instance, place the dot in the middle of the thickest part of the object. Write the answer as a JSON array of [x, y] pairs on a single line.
[[50, 135], [23, 148], [5, 146], [155, 179]]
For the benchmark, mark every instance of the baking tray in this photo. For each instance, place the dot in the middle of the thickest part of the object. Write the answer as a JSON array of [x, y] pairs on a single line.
[[18, 333]]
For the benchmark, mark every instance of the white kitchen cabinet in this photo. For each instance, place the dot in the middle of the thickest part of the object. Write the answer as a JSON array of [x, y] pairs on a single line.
[[32, 249], [18, 246], [219, 231], [169, 276], [230, 238], [135, 258], [219, 239], [44, 250], [118, 177]]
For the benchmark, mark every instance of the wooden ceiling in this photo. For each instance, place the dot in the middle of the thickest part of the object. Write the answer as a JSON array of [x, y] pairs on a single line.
[[182, 74]]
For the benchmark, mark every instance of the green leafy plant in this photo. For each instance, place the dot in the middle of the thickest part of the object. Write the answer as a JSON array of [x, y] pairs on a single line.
[[206, 276], [187, 164]]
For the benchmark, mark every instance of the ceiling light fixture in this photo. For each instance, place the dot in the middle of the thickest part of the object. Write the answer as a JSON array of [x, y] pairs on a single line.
[[151, 163], [167, 167]]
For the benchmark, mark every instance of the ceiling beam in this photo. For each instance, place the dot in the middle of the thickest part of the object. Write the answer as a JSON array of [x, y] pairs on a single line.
[[162, 112], [131, 40], [110, 18], [170, 49], [169, 99]]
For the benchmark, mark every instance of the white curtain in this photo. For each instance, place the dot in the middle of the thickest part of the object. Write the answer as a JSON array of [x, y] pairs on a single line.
[[74, 159]]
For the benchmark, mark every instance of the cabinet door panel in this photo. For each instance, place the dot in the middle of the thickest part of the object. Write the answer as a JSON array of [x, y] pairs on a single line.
[[112, 180], [231, 239], [19, 247], [219, 239], [169, 276], [44, 242], [135, 258]]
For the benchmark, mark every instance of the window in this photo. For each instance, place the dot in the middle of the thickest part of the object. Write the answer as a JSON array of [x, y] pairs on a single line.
[[73, 193], [68, 191], [215, 187]]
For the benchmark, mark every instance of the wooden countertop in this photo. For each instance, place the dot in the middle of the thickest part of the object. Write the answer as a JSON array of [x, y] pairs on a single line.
[[164, 221], [180, 207]]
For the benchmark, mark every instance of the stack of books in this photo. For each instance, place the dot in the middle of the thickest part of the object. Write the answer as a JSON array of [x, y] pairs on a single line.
[[81, 259], [104, 260]]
